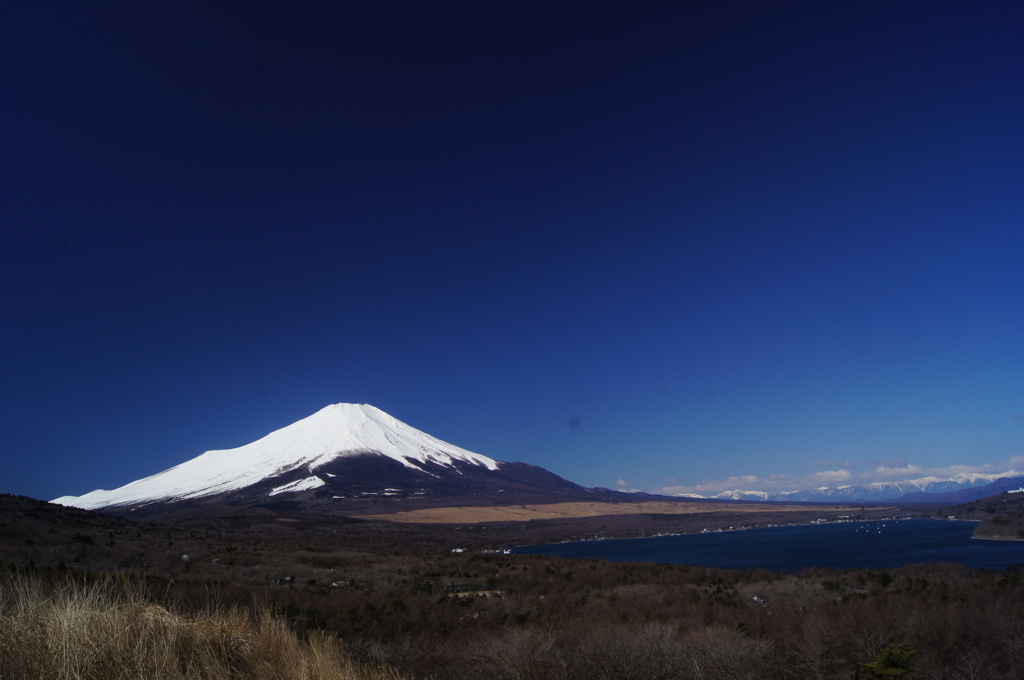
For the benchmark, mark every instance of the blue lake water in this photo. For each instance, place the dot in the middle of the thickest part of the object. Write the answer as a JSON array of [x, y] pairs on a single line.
[[843, 545]]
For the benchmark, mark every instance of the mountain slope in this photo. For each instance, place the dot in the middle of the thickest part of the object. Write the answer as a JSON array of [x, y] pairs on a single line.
[[966, 495], [340, 452]]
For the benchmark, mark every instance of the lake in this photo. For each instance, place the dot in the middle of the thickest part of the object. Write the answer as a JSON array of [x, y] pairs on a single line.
[[842, 545]]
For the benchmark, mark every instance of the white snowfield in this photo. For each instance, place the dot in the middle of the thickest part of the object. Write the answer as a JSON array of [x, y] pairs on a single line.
[[332, 432], [313, 482]]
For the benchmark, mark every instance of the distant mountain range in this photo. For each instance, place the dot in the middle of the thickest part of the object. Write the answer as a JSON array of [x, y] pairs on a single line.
[[342, 454], [959, 488]]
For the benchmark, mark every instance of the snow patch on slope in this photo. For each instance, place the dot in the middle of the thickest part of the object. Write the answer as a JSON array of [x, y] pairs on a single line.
[[306, 484]]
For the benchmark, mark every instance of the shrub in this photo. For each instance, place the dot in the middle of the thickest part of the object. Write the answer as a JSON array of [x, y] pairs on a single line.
[[893, 661]]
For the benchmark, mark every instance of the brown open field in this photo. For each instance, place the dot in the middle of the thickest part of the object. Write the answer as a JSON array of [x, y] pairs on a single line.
[[522, 513]]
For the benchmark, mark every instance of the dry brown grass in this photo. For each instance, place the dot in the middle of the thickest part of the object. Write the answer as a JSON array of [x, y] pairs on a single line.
[[522, 513], [109, 630]]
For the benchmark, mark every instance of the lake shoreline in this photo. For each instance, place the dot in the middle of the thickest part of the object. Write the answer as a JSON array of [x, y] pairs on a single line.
[[998, 538], [844, 544]]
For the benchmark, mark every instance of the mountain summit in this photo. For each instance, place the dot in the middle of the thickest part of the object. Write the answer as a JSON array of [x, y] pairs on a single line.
[[341, 452]]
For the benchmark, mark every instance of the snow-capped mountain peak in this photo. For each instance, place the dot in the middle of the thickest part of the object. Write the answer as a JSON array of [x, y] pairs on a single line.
[[334, 432], [873, 491]]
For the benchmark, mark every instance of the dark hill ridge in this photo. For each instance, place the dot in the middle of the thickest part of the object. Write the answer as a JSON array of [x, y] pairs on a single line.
[[225, 541], [1000, 516]]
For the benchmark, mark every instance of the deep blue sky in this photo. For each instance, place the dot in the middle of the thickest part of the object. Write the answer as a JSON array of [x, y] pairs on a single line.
[[630, 243]]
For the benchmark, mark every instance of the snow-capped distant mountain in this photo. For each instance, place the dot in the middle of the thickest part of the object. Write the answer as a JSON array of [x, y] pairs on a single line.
[[917, 489], [341, 451]]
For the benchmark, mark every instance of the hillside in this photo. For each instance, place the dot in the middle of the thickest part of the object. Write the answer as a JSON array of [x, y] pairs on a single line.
[[1001, 516], [402, 596]]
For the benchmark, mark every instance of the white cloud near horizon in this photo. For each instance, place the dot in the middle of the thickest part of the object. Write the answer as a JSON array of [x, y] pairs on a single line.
[[778, 483]]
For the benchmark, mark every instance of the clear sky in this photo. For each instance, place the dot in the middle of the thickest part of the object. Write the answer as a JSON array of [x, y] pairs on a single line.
[[643, 245]]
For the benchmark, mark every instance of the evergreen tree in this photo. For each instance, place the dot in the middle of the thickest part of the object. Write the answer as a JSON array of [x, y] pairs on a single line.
[[892, 661]]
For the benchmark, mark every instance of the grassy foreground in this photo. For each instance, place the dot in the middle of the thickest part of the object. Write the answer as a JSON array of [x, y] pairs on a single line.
[[108, 629]]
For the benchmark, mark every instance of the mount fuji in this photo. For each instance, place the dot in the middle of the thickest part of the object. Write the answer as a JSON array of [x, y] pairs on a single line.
[[340, 454]]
